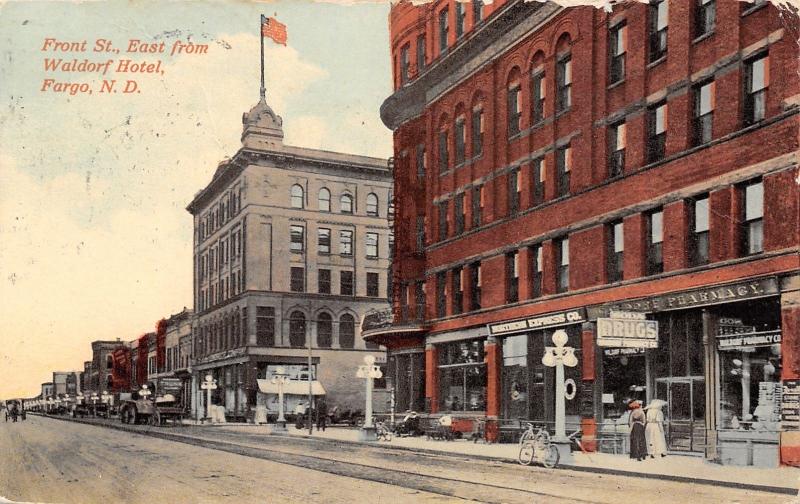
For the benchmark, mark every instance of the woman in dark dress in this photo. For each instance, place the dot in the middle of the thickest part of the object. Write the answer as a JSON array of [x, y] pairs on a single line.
[[638, 439]]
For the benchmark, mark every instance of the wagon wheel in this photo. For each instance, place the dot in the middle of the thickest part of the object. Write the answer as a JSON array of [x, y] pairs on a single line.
[[155, 419]]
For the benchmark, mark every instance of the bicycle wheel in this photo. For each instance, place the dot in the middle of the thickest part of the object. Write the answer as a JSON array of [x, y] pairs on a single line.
[[526, 454], [551, 457]]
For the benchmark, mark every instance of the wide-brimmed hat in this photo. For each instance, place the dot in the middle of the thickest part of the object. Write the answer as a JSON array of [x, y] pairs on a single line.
[[656, 404]]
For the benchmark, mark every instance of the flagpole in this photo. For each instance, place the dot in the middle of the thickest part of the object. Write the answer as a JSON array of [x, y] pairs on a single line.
[[261, 32]]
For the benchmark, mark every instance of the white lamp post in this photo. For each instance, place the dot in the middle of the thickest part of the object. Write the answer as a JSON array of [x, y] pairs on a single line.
[[368, 371], [279, 378], [105, 397], [208, 385], [94, 399], [558, 357], [144, 392]]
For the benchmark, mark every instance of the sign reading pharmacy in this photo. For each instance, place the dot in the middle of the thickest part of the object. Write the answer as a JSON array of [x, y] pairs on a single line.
[[539, 322], [627, 330]]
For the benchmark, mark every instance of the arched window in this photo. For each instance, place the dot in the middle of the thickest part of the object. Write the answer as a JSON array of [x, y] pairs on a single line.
[[347, 331], [297, 329], [109, 362], [324, 200], [297, 196], [324, 330], [372, 204], [346, 203]]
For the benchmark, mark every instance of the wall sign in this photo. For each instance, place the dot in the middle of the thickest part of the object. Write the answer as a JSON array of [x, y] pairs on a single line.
[[539, 322], [790, 405], [627, 330], [748, 340]]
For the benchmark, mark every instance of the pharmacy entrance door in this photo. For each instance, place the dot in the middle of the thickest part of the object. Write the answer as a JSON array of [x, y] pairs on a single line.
[[684, 414]]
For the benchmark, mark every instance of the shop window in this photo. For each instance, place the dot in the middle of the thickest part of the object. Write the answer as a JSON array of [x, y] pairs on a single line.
[[752, 195], [297, 281], [347, 331], [457, 297], [616, 250], [656, 132], [698, 227], [441, 288], [372, 205], [297, 238], [477, 131], [475, 284], [512, 277], [755, 90], [703, 113], [538, 172], [562, 262], [298, 196], [536, 270], [513, 192], [462, 376], [459, 211], [515, 377], [373, 288], [324, 281], [346, 283], [563, 168], [705, 17], [657, 33], [564, 83], [618, 43], [324, 330], [655, 238], [617, 140], [444, 28], [513, 100]]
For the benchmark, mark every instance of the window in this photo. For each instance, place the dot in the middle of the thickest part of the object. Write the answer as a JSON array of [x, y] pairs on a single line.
[[756, 83], [441, 288], [562, 262], [442, 220], [372, 204], [655, 237], [537, 95], [477, 11], [656, 132], [297, 239], [753, 218], [371, 242], [563, 165], [616, 248], [461, 138], [513, 192], [659, 19], [324, 200], [346, 283], [461, 19], [698, 229], [564, 83], [421, 53], [444, 158], [477, 205], [420, 233], [419, 299], [618, 45], [324, 281], [705, 17], [404, 64], [324, 330], [297, 281], [538, 170], [536, 270], [324, 241], [297, 329], [457, 297], [391, 245], [265, 325], [475, 284], [346, 243], [459, 210], [514, 99], [443, 30], [616, 149], [298, 199], [477, 132], [373, 288], [421, 160], [512, 277], [703, 113], [347, 331], [346, 203], [462, 376]]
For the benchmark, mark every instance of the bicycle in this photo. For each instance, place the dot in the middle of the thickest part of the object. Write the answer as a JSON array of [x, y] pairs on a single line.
[[536, 445], [383, 432]]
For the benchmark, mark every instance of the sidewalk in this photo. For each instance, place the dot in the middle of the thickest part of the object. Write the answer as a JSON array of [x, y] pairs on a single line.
[[674, 467]]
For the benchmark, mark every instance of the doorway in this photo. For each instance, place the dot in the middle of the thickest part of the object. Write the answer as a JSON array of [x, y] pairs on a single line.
[[684, 414]]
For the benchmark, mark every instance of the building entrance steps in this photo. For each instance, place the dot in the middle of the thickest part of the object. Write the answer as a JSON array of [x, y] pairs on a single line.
[[691, 469]]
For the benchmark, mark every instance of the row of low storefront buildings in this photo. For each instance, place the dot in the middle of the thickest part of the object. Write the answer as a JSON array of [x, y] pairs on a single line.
[[291, 250], [628, 176]]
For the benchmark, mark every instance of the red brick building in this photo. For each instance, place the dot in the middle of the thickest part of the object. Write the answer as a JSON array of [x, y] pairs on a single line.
[[563, 168]]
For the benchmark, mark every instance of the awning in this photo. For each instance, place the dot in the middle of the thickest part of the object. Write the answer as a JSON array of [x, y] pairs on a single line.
[[294, 387]]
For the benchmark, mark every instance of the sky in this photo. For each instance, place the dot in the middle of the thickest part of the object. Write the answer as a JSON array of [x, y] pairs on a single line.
[[95, 241]]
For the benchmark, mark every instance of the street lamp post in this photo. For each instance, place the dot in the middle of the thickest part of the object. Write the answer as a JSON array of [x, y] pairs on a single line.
[[558, 357], [94, 403], [208, 385], [280, 377], [368, 371]]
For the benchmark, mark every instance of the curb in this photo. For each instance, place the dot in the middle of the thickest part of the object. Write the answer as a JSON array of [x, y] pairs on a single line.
[[566, 467]]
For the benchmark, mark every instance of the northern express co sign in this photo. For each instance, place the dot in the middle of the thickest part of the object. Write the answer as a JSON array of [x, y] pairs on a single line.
[[539, 322]]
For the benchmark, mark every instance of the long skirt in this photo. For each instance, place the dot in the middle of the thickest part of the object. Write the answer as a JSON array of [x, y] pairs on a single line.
[[656, 441], [638, 441]]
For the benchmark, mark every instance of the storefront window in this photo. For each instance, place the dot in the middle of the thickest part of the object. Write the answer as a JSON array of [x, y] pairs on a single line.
[[515, 376], [294, 371], [624, 380], [462, 376]]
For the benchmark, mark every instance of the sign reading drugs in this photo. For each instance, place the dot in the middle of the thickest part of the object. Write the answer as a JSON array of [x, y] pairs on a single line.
[[627, 330]]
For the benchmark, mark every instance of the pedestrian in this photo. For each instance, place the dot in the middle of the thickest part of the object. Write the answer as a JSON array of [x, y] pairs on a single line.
[[456, 404], [636, 423], [654, 430], [299, 413], [322, 415]]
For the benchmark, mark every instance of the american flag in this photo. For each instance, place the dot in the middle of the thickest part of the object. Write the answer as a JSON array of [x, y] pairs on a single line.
[[272, 28]]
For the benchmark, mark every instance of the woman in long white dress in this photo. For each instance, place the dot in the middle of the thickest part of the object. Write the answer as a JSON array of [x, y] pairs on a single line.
[[654, 429]]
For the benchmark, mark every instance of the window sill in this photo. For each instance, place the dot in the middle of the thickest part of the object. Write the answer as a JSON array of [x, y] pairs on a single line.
[[372, 258], [657, 62], [615, 84], [753, 9], [345, 255], [703, 37]]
